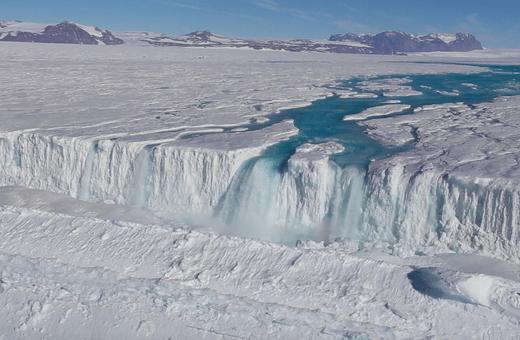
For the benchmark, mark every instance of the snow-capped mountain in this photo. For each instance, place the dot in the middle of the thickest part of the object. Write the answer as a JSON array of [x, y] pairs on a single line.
[[391, 42], [384, 43], [209, 39], [66, 32]]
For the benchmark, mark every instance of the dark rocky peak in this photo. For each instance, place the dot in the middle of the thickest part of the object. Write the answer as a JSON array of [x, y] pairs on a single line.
[[391, 42], [465, 42], [366, 39], [66, 32], [201, 35], [69, 32]]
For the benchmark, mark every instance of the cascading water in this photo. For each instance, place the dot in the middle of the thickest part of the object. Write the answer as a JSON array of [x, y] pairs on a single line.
[[282, 197], [85, 180], [140, 187]]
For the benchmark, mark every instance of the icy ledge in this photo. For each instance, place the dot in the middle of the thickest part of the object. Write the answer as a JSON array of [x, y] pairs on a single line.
[[183, 177], [458, 186]]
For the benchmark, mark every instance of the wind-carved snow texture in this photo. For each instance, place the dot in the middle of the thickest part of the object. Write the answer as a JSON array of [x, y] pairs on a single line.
[[64, 276]]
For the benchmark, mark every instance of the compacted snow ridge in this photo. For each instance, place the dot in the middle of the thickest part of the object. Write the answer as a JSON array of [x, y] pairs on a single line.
[[393, 87], [144, 193], [378, 111]]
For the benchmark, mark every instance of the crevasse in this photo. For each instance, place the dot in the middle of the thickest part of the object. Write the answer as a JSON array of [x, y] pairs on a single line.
[[387, 207]]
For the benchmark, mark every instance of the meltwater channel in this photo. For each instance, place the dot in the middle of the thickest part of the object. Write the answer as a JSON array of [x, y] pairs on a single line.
[[278, 198]]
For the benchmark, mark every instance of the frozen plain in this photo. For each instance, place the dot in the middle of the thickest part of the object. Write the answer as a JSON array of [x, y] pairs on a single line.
[[162, 133]]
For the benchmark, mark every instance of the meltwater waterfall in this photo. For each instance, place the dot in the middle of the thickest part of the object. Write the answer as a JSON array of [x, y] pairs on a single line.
[[331, 182]]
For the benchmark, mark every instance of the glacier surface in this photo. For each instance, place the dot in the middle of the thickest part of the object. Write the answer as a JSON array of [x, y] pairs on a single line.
[[122, 170]]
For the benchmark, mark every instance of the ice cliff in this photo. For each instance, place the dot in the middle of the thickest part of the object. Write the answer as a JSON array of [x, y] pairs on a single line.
[[186, 150], [405, 205], [173, 180]]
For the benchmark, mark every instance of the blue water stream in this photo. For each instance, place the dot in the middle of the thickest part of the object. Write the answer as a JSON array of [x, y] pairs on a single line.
[[322, 121]]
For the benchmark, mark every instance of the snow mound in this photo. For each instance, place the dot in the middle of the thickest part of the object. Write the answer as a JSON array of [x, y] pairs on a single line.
[[391, 87], [498, 294]]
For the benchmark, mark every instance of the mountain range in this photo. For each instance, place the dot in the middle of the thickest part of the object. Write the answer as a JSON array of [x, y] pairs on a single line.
[[390, 42], [397, 42]]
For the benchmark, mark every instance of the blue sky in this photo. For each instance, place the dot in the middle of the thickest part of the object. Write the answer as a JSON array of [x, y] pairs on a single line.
[[495, 23]]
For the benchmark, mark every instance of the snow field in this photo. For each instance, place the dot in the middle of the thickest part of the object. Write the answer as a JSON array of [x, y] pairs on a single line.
[[130, 280], [146, 128]]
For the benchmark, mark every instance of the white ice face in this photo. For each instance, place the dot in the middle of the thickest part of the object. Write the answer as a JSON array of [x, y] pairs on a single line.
[[119, 168], [378, 111]]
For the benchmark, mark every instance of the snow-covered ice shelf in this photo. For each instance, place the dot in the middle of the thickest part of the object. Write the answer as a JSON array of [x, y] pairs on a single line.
[[98, 124], [118, 165]]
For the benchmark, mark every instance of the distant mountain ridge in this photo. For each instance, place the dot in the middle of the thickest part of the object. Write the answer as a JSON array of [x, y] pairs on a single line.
[[211, 40], [66, 32], [390, 42]]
